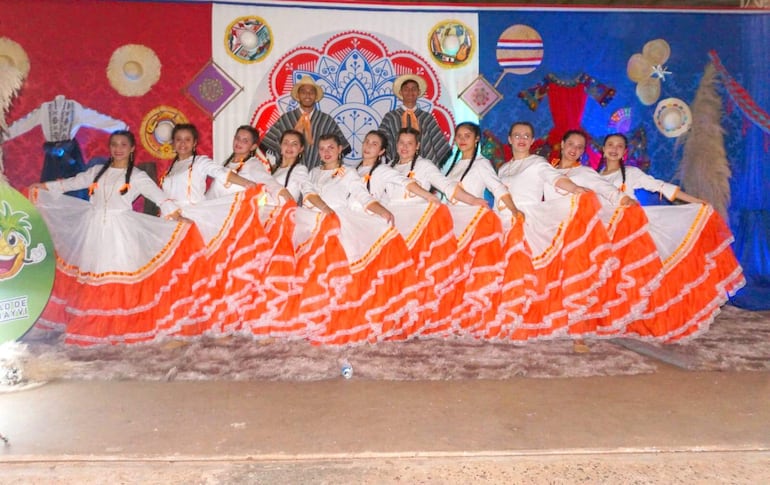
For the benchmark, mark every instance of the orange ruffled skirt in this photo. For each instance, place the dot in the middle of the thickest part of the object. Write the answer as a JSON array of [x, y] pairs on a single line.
[[428, 232], [699, 272], [480, 258], [150, 287]]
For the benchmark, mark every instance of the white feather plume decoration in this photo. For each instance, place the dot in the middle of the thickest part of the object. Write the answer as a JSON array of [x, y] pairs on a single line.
[[10, 83], [704, 169]]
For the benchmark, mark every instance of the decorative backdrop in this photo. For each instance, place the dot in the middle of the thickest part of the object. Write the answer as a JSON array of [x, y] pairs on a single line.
[[69, 49], [357, 48]]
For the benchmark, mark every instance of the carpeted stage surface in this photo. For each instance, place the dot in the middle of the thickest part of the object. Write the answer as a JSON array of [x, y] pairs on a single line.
[[737, 340]]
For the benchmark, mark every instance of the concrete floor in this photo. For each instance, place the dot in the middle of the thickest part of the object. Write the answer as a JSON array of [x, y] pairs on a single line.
[[673, 426]]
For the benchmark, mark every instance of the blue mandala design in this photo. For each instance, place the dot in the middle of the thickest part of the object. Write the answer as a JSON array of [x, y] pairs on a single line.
[[357, 94]]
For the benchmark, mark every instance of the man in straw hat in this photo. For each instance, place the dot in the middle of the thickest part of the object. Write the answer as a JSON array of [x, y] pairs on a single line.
[[306, 119], [433, 144]]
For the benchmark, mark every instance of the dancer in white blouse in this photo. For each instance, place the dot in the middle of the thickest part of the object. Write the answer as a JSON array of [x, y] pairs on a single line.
[[569, 245], [699, 270], [186, 176], [422, 220], [249, 163], [264, 303], [121, 275], [320, 265], [237, 258], [627, 291], [379, 299], [479, 235]]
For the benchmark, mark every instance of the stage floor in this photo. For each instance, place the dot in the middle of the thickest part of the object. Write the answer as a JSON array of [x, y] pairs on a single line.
[[672, 426]]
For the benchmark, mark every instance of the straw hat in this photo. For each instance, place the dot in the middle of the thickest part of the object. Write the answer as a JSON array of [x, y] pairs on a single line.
[[638, 68], [672, 117], [12, 54], [656, 51], [400, 80], [133, 69], [648, 91], [307, 81]]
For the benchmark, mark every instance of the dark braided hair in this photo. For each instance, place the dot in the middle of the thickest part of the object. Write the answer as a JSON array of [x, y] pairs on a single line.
[[477, 133], [383, 146], [194, 132], [126, 185], [568, 134], [417, 135], [279, 160], [331, 136], [254, 140], [337, 140], [603, 160]]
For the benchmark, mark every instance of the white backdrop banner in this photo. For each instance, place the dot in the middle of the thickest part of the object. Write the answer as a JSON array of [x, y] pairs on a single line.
[[354, 54]]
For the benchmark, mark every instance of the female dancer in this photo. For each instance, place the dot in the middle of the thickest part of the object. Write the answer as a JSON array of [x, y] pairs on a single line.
[[265, 303], [480, 237], [186, 176], [626, 292], [121, 275], [248, 163], [422, 220], [380, 299], [699, 269], [238, 249], [569, 245], [321, 268]]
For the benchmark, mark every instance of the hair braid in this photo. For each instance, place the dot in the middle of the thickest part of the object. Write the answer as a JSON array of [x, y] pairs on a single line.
[[103, 169], [470, 165], [127, 184]]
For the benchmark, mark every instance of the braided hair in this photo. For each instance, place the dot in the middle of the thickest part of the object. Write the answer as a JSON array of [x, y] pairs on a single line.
[[417, 135], [473, 127], [337, 140], [126, 185], [331, 136], [279, 159], [380, 159], [603, 160], [254, 140], [194, 132], [566, 136]]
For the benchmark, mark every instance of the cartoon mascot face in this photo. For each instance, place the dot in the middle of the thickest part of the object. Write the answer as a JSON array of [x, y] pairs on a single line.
[[14, 240]]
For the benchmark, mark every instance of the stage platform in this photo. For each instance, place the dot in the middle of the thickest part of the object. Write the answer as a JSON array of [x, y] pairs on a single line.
[[672, 426]]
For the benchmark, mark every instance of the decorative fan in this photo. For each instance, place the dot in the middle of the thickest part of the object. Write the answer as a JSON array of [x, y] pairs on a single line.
[[620, 121], [647, 70]]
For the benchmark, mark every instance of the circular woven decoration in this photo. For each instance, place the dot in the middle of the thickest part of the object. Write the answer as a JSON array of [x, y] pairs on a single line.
[[672, 117], [133, 69], [248, 39], [451, 43], [13, 54], [519, 49], [155, 132]]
